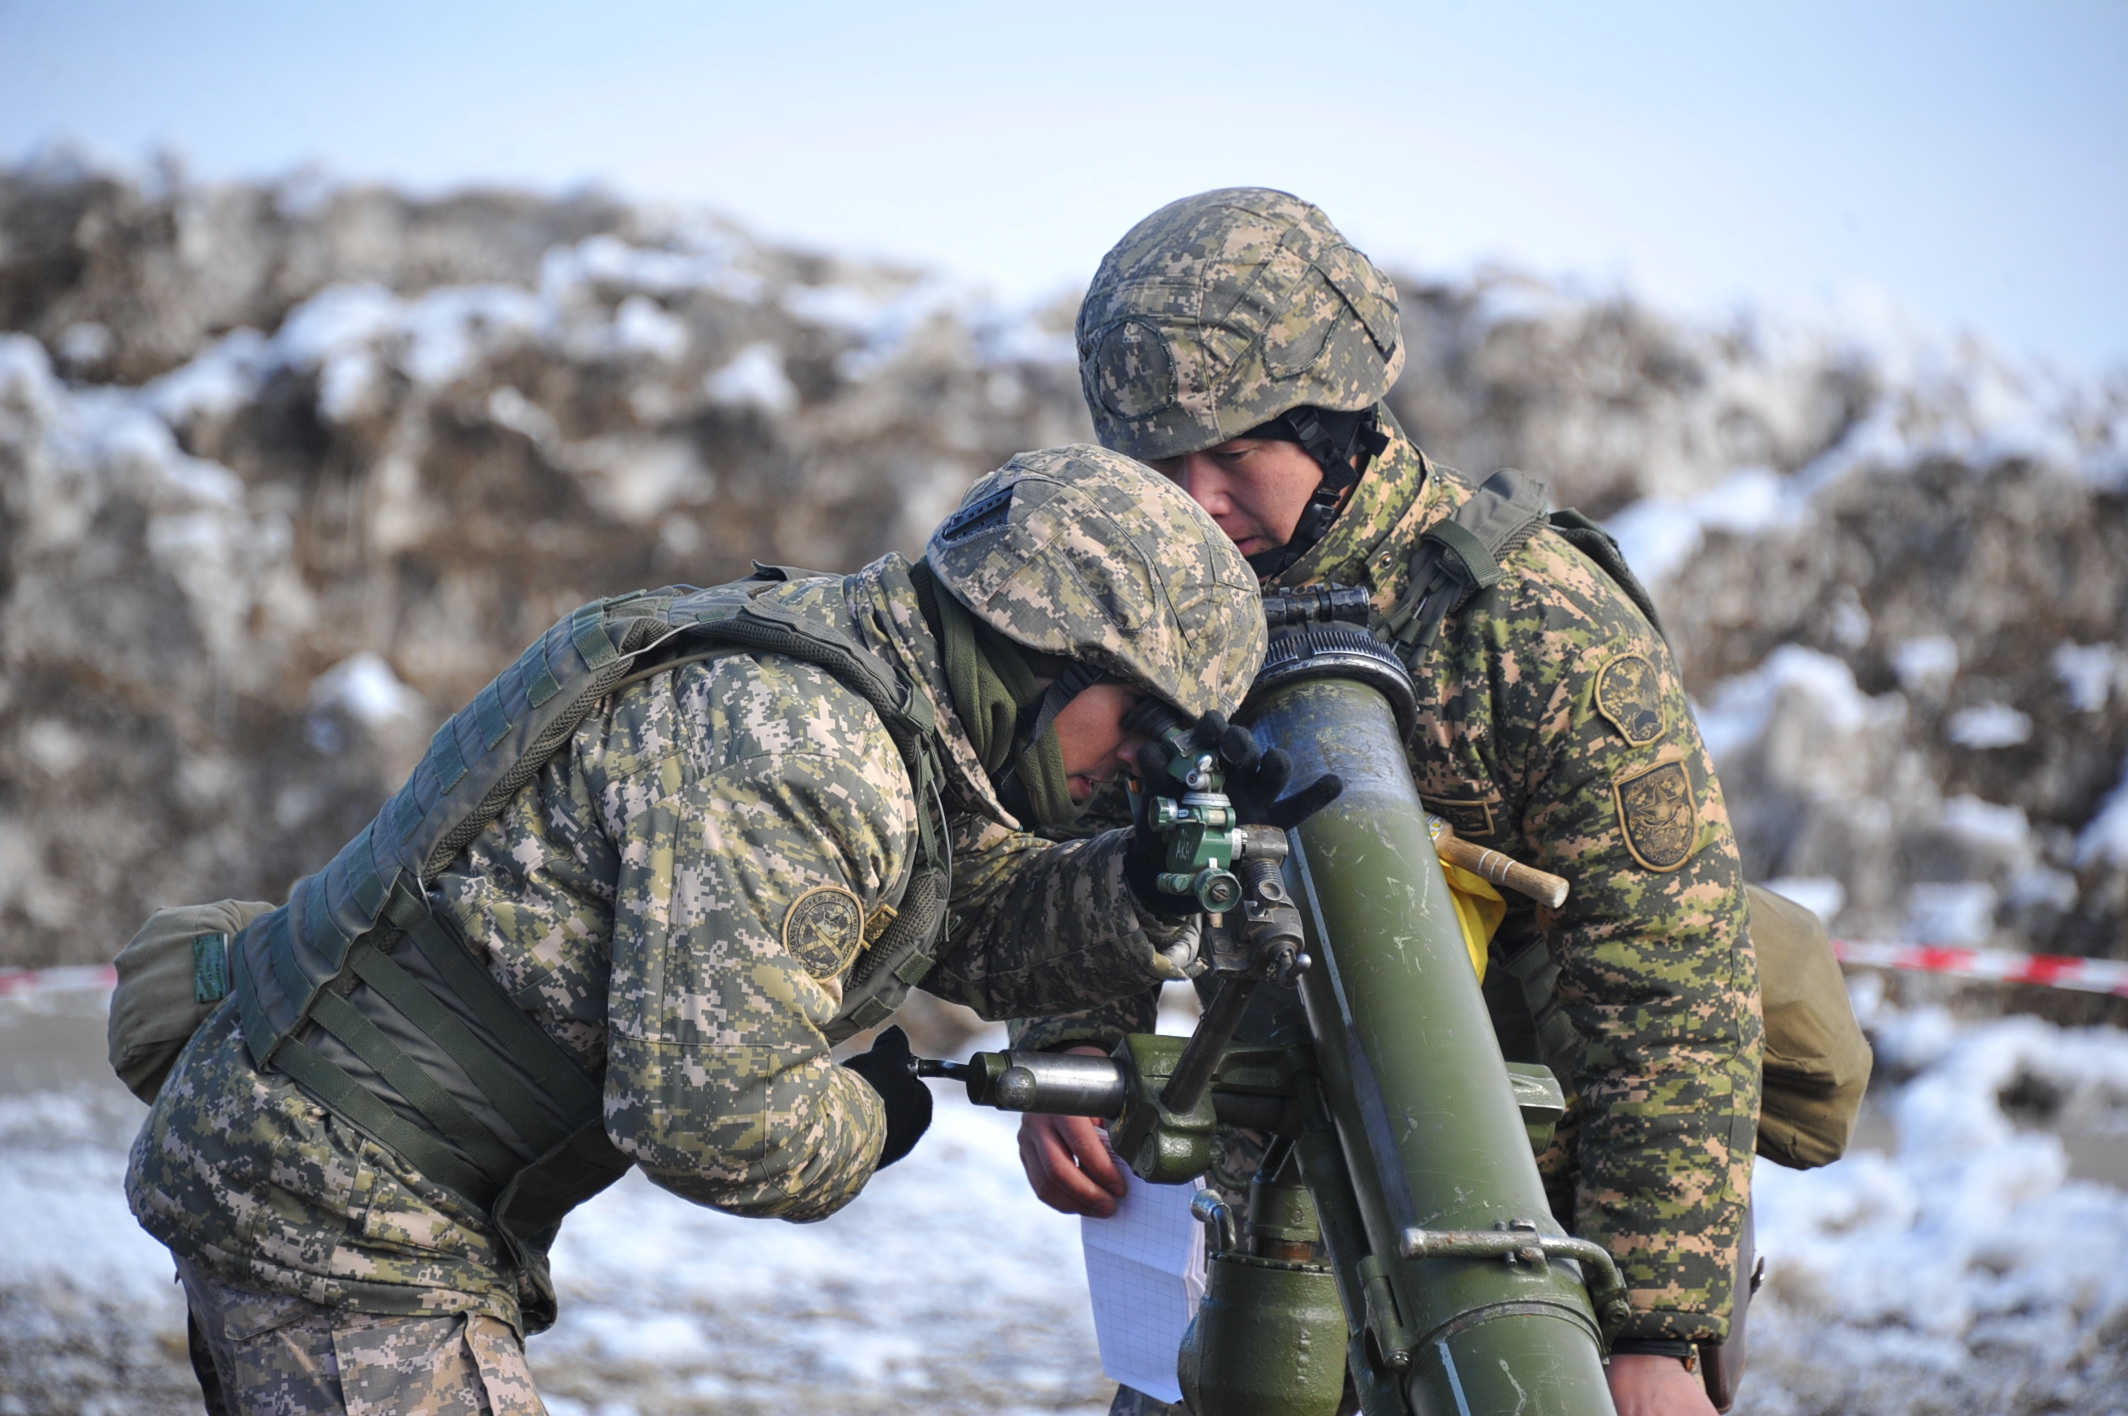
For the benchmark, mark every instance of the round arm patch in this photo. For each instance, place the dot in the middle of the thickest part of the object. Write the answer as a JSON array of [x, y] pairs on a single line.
[[823, 929]]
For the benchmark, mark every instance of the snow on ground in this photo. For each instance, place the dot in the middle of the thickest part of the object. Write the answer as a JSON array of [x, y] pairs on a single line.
[[945, 1288], [90, 1319], [1967, 1267]]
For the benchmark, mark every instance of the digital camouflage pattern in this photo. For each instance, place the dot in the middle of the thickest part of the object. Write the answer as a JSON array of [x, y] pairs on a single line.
[[1082, 553], [1654, 1157], [636, 899], [1221, 311], [273, 1353]]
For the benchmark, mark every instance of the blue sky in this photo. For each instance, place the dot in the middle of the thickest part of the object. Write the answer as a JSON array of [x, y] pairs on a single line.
[[1970, 160]]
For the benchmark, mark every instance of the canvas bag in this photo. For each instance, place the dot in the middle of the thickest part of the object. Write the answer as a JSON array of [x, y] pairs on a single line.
[[1817, 1060], [170, 977]]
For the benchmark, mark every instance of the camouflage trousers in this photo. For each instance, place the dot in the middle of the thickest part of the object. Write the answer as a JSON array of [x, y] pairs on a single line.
[[272, 1354]]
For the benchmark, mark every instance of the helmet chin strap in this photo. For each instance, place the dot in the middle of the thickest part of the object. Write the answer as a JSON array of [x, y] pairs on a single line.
[[1342, 444]]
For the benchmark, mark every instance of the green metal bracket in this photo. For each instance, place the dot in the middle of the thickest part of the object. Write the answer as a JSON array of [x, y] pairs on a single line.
[[1541, 1100], [1160, 1145]]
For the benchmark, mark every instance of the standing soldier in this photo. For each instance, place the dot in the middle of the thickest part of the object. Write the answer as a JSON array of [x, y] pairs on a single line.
[[633, 895], [1236, 343]]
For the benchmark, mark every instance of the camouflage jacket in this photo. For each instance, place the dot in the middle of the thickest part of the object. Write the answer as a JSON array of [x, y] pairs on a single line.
[[637, 896], [1553, 726]]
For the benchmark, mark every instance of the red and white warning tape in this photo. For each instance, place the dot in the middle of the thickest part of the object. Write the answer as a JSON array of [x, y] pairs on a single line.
[[72, 980], [2047, 970]]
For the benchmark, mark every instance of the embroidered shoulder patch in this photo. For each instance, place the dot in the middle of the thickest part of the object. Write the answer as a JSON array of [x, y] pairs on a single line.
[[1628, 694], [1659, 815], [822, 930]]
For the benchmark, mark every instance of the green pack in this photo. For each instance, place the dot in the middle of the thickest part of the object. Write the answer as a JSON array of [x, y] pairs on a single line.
[[172, 974], [1817, 1061]]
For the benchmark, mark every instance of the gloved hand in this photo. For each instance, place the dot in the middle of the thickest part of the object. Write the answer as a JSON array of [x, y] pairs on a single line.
[[890, 1069], [1254, 780], [1143, 860]]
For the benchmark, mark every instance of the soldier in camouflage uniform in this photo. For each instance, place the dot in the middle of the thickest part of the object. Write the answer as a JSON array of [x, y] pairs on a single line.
[[1235, 342], [679, 897]]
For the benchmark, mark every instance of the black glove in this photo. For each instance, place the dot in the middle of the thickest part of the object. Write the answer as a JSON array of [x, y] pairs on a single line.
[[1254, 780], [1143, 860], [890, 1070], [1254, 786]]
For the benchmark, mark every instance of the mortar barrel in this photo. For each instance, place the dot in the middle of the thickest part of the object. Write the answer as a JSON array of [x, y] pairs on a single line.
[[1411, 1070]]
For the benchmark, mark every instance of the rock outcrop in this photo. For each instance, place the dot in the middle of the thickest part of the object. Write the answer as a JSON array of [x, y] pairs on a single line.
[[286, 473]]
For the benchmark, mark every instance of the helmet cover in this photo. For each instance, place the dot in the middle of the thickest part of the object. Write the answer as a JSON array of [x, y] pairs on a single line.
[[1221, 311], [1083, 554]]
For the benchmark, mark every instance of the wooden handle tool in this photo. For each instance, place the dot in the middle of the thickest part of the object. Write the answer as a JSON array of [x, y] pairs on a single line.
[[1545, 888]]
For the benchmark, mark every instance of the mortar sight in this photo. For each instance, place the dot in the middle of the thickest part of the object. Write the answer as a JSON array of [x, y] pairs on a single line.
[[1323, 634], [1332, 604]]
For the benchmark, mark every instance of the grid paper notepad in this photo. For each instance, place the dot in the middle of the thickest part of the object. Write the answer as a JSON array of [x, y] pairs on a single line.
[[1145, 1272]]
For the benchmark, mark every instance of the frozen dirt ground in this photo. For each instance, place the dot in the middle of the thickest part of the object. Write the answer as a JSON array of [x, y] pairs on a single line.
[[1967, 1261]]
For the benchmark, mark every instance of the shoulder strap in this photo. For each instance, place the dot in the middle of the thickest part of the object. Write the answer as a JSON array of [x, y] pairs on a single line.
[[751, 622], [907, 951], [1460, 556]]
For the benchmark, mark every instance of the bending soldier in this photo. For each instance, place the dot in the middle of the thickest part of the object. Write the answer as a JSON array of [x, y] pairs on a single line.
[[1235, 342], [631, 898]]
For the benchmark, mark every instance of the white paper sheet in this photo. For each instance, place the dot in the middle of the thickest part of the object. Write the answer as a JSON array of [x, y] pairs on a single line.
[[1145, 1270]]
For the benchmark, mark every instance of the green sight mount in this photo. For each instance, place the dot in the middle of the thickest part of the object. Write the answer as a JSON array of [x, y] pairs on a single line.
[[1187, 807], [1398, 1237]]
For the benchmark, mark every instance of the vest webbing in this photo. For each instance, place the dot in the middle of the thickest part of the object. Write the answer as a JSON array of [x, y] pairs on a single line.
[[1457, 561], [372, 1004]]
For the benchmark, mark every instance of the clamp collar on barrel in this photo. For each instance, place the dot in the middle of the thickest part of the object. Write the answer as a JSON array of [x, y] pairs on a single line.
[[1518, 1241]]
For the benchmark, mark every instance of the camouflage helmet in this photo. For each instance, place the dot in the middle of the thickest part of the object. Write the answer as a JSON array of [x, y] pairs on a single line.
[[1083, 554], [1219, 312]]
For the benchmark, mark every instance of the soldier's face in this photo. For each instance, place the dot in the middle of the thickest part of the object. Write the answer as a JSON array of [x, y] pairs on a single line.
[[1090, 731], [1255, 488]]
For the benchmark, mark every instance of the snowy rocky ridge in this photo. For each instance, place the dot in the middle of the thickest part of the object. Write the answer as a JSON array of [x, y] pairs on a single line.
[[287, 472]]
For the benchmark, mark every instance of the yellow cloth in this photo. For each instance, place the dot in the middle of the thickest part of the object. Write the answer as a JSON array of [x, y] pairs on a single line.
[[1479, 909]]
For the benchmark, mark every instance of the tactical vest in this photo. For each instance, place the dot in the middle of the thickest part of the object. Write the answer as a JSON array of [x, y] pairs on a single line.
[[375, 1006], [1458, 559]]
